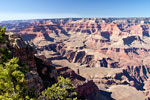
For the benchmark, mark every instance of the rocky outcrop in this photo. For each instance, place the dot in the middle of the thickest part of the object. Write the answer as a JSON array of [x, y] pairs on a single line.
[[25, 53], [79, 56], [76, 56], [86, 89], [46, 71], [42, 73], [84, 27], [26, 56], [84, 58], [22, 50]]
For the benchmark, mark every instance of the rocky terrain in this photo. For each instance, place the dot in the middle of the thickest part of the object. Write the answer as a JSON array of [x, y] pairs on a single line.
[[113, 53], [42, 73]]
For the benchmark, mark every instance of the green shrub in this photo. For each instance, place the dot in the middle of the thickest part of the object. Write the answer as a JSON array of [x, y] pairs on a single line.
[[62, 90], [12, 82], [12, 75], [2, 34]]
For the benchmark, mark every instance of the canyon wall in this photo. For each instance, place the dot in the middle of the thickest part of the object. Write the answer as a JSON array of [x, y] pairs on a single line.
[[42, 73], [118, 48]]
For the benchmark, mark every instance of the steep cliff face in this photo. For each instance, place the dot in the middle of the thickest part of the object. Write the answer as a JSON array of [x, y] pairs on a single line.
[[86, 89], [25, 53], [42, 73], [22, 50], [133, 70]]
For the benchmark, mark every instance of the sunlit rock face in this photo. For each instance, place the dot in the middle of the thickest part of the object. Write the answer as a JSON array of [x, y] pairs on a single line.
[[42, 73], [26, 55], [109, 51]]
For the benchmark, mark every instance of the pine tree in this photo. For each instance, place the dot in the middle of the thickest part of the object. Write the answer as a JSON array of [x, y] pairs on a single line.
[[62, 90], [12, 75], [2, 34], [13, 83]]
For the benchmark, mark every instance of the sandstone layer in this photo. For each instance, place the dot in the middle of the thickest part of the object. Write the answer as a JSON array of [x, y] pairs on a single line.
[[113, 52]]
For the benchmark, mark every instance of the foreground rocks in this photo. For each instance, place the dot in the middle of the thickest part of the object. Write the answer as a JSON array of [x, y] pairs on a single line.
[[86, 89], [42, 73], [25, 53]]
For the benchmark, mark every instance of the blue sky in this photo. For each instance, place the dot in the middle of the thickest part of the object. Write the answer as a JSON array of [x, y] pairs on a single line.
[[37, 9]]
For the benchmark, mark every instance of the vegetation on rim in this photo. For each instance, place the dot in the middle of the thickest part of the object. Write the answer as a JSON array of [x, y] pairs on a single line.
[[13, 84]]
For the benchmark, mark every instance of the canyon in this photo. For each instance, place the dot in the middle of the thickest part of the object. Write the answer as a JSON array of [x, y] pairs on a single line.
[[105, 58]]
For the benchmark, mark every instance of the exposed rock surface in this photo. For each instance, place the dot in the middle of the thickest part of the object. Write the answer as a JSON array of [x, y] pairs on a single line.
[[25, 53], [86, 90], [42, 73], [110, 51]]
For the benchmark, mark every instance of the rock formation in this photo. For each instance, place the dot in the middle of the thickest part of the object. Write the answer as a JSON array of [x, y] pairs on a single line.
[[25, 53], [42, 73], [109, 51]]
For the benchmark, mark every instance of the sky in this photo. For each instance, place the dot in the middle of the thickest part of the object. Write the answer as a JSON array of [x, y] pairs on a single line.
[[40, 9]]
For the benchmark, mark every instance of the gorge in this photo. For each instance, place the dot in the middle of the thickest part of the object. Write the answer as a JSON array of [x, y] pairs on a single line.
[[105, 58]]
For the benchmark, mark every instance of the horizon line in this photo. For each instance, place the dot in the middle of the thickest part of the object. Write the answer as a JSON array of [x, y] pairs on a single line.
[[66, 18]]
